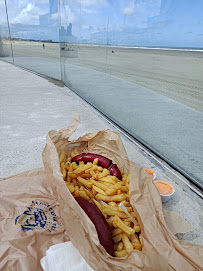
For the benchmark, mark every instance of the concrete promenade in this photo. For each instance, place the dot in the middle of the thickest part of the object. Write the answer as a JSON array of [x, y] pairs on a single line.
[[32, 105]]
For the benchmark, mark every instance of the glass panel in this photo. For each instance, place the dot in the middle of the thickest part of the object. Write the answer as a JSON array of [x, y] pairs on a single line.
[[5, 44], [141, 64], [34, 33]]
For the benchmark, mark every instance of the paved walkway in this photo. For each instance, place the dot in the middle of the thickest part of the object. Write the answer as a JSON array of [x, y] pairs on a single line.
[[32, 105]]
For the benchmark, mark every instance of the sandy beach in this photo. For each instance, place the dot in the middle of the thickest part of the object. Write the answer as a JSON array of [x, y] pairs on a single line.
[[175, 74]]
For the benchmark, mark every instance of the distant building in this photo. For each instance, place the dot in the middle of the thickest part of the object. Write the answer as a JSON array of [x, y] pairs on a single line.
[[46, 19]]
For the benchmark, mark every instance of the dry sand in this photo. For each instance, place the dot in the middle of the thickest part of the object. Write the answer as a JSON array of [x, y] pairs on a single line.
[[175, 74]]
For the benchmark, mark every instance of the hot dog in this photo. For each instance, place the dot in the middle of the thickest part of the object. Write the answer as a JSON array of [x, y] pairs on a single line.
[[102, 161], [101, 225]]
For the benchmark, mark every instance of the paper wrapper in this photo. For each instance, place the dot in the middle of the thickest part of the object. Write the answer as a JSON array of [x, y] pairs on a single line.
[[162, 250], [29, 221]]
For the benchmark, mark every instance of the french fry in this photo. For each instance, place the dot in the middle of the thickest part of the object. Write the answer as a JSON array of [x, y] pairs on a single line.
[[72, 175], [124, 177], [119, 223], [120, 197], [64, 173], [110, 191], [118, 185], [70, 187], [82, 194], [137, 246], [127, 223], [110, 221], [86, 175], [93, 168], [95, 162], [67, 165], [87, 192], [121, 215], [94, 191], [86, 183], [99, 190], [105, 183], [68, 179], [82, 168], [111, 203], [74, 165], [81, 163], [76, 188], [135, 242], [97, 204], [74, 181], [62, 156], [117, 238], [116, 231], [108, 210], [121, 253], [120, 246], [127, 244], [134, 238], [94, 175], [107, 179], [140, 238], [136, 227], [100, 185], [103, 174]]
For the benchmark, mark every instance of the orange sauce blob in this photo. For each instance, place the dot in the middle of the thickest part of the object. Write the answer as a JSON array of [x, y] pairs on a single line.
[[150, 172], [164, 187]]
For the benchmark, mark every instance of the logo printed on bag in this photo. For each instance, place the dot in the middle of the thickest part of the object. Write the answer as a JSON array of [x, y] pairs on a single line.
[[37, 215]]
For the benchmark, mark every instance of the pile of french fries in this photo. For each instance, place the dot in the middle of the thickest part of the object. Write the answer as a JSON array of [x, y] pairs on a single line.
[[95, 184]]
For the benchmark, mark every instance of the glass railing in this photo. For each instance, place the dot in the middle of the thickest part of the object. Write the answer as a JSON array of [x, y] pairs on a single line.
[[5, 43], [139, 63]]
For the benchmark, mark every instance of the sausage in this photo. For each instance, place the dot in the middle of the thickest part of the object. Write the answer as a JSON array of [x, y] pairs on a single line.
[[89, 157], [114, 171], [102, 161], [101, 225]]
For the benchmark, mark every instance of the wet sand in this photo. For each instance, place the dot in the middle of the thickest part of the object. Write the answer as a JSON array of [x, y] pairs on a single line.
[[175, 74]]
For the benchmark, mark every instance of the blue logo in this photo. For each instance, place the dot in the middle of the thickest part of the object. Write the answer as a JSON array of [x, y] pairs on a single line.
[[38, 215]]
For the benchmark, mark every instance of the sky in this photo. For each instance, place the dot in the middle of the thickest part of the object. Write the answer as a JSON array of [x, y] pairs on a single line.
[[176, 23]]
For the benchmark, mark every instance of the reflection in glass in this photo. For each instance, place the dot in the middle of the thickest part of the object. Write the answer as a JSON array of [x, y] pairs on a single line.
[[138, 64], [5, 44], [34, 34]]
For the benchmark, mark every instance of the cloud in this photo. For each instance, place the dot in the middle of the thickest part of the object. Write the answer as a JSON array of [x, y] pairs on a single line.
[[129, 9], [87, 3], [26, 12]]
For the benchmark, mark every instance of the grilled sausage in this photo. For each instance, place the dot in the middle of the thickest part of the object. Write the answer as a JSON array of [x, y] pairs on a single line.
[[101, 225], [89, 157], [114, 171], [102, 161]]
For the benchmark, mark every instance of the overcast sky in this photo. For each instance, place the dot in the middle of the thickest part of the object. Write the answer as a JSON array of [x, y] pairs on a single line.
[[162, 22]]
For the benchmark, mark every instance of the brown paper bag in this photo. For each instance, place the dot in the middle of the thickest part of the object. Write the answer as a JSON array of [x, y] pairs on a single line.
[[29, 221], [162, 250]]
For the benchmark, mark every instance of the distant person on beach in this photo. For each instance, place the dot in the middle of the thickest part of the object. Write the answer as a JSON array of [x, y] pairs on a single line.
[[43, 46]]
